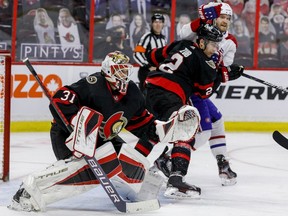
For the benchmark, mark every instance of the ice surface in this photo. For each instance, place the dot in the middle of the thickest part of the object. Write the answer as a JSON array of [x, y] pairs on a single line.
[[261, 165]]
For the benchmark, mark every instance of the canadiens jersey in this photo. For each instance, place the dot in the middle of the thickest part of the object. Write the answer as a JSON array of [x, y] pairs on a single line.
[[119, 111], [184, 70]]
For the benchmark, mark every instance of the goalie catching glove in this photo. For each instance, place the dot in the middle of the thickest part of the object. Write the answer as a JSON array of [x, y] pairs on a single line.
[[181, 126]]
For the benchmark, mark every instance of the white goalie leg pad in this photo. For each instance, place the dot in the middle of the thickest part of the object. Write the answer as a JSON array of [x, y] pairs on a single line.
[[134, 169], [44, 187], [181, 126], [150, 187]]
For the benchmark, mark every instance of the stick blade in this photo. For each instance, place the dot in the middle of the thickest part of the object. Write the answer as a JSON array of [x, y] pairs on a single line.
[[142, 206], [280, 139]]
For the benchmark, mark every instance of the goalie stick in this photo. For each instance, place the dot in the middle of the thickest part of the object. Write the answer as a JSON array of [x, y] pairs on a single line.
[[280, 139], [96, 168], [279, 88]]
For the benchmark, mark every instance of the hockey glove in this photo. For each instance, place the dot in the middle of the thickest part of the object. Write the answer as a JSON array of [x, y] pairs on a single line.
[[209, 11], [231, 72], [217, 58]]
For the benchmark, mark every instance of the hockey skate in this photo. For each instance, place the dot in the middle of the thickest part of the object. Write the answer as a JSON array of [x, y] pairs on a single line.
[[227, 176], [177, 188], [21, 201], [162, 163]]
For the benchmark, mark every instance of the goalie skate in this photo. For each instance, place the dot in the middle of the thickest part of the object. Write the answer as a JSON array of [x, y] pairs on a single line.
[[21, 201], [177, 188], [227, 176]]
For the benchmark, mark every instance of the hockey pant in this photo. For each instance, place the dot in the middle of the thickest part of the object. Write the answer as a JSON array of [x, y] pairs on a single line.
[[211, 126], [70, 177]]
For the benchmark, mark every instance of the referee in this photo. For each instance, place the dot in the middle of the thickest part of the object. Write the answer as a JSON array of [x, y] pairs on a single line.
[[149, 41]]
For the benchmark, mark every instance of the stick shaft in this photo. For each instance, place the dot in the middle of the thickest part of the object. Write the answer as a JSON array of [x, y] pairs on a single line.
[[279, 88]]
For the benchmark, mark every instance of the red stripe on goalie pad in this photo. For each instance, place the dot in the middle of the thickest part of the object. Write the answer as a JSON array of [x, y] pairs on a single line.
[[132, 171], [126, 159], [108, 158], [84, 176]]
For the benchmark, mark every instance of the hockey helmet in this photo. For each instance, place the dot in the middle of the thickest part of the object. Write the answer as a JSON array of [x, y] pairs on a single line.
[[117, 69], [157, 16], [226, 9], [210, 32]]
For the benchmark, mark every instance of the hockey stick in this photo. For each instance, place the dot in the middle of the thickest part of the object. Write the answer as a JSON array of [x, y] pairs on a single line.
[[279, 88], [96, 168], [280, 139]]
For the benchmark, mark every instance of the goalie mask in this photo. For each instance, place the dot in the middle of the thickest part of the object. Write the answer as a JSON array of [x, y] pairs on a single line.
[[117, 70]]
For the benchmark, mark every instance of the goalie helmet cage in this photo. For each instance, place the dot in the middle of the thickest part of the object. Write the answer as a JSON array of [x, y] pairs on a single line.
[[5, 86]]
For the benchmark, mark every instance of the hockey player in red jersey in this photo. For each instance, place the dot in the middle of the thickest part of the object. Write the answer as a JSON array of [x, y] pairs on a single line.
[[117, 101], [212, 124], [186, 68]]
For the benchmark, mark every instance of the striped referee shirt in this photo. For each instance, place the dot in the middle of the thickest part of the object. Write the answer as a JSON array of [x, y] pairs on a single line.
[[146, 43]]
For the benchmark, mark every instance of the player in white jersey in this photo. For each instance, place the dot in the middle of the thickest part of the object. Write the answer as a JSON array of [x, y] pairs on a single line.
[[212, 124], [228, 45]]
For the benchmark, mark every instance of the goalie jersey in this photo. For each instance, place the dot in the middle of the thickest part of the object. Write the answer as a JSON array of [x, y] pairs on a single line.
[[183, 63], [119, 111]]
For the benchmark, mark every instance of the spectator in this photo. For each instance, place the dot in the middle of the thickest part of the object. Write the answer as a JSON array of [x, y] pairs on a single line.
[[68, 30], [167, 26], [4, 4], [29, 5], [284, 5], [248, 15], [242, 35], [283, 46], [264, 7], [277, 17], [115, 20], [183, 19], [142, 7], [137, 28], [117, 40], [99, 10], [237, 6], [44, 27], [267, 39], [119, 7]]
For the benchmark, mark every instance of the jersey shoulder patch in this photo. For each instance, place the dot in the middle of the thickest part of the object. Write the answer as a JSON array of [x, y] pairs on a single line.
[[211, 64], [91, 79]]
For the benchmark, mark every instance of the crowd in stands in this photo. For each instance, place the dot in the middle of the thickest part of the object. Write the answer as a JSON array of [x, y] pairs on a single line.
[[119, 24], [272, 35]]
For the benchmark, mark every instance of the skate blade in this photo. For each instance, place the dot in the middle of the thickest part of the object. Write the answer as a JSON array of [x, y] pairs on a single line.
[[174, 193], [226, 181]]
